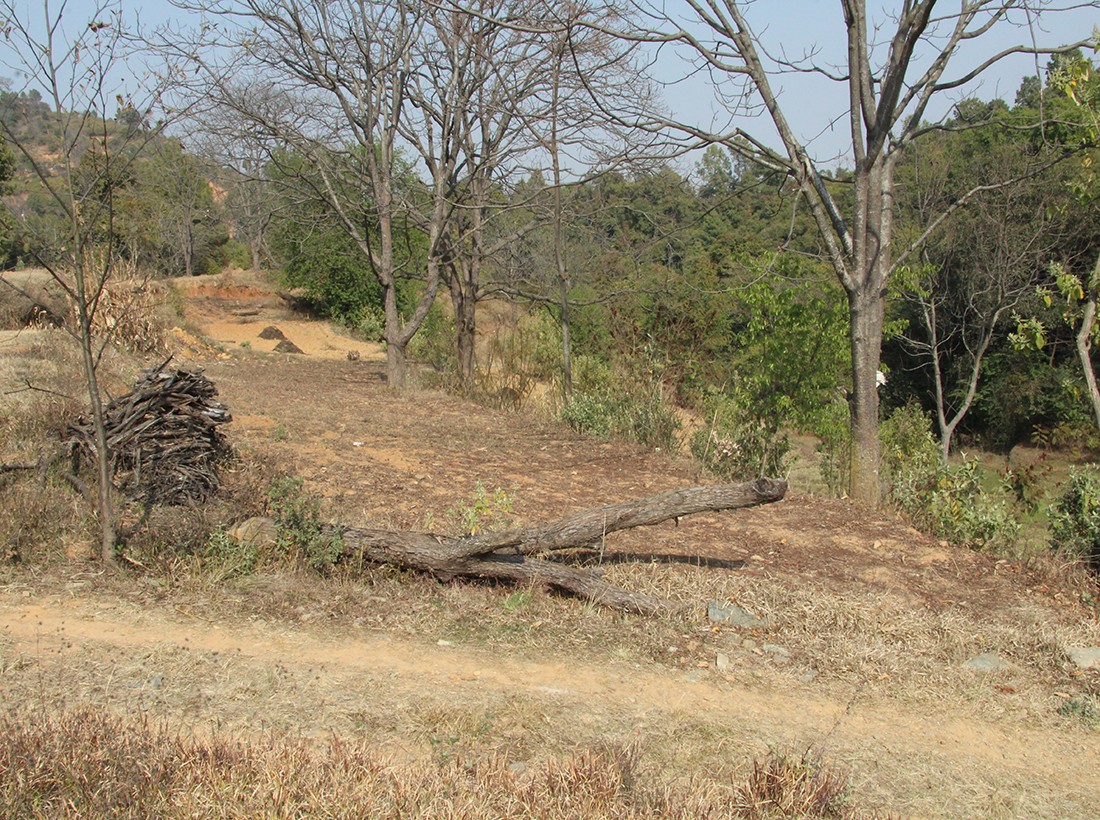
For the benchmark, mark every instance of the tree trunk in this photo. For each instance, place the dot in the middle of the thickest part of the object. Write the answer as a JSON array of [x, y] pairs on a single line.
[[254, 246], [1084, 352], [866, 314], [505, 556], [464, 299], [108, 535], [396, 368], [566, 342]]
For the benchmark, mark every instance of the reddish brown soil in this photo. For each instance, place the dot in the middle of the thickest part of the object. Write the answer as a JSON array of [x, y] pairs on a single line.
[[877, 618]]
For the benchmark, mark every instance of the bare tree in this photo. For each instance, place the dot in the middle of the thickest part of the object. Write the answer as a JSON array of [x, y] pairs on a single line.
[[575, 132], [896, 63], [473, 78], [324, 88], [242, 166], [73, 58], [977, 272]]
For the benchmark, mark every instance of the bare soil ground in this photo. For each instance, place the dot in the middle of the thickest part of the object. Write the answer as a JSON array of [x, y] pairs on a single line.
[[869, 623]]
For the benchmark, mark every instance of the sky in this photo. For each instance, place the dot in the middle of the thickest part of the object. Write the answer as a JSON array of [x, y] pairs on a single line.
[[816, 107]]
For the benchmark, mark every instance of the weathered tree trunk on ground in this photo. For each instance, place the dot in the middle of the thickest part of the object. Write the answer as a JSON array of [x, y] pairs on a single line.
[[505, 555]]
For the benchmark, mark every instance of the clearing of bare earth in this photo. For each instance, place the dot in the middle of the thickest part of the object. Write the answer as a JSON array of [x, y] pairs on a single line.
[[937, 677]]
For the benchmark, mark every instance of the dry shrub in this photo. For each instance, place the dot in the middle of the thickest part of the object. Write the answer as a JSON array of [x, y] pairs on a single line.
[[41, 520], [131, 310], [130, 314], [160, 535], [784, 786], [88, 763]]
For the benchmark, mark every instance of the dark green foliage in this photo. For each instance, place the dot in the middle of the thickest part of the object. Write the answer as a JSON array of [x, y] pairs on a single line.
[[989, 256], [317, 251], [1075, 517], [142, 194], [338, 279]]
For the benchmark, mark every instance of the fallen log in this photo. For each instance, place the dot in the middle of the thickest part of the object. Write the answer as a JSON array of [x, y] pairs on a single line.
[[508, 555]]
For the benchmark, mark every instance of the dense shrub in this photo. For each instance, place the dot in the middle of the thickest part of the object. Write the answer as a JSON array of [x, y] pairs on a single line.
[[641, 415], [1075, 517], [434, 342], [301, 532], [948, 501], [630, 405]]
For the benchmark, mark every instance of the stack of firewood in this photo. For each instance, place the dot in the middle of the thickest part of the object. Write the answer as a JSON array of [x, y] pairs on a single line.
[[162, 436]]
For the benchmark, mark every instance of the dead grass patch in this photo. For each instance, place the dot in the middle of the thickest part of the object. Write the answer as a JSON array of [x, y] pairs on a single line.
[[87, 763]]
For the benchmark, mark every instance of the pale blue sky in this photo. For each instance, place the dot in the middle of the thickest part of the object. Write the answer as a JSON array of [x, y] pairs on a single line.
[[816, 107]]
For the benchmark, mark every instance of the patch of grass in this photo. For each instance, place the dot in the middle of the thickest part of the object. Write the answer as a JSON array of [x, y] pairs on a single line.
[[517, 600], [484, 512], [89, 763], [1082, 708]]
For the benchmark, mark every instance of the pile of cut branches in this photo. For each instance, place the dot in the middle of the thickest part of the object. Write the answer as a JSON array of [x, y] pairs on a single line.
[[162, 436]]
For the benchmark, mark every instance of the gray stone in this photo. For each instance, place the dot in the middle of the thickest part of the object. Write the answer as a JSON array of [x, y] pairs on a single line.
[[987, 662], [1084, 657], [733, 615], [778, 653], [807, 676], [256, 532], [721, 661], [517, 768]]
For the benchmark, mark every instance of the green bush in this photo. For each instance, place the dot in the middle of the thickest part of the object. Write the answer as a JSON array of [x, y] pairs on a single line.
[[485, 512], [640, 415], [593, 414], [834, 445], [434, 342], [301, 532], [624, 404], [369, 323], [740, 443], [223, 557], [948, 501], [1075, 517]]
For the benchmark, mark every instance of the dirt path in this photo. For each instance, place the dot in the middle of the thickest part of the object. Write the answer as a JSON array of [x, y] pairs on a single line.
[[429, 699]]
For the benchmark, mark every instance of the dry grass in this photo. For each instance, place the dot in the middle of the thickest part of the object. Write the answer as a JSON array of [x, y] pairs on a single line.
[[91, 764]]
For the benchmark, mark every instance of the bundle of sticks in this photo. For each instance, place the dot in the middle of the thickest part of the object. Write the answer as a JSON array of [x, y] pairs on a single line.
[[162, 437]]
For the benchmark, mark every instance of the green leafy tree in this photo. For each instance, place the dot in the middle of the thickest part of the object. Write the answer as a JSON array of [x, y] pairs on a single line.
[[975, 272], [1077, 287]]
